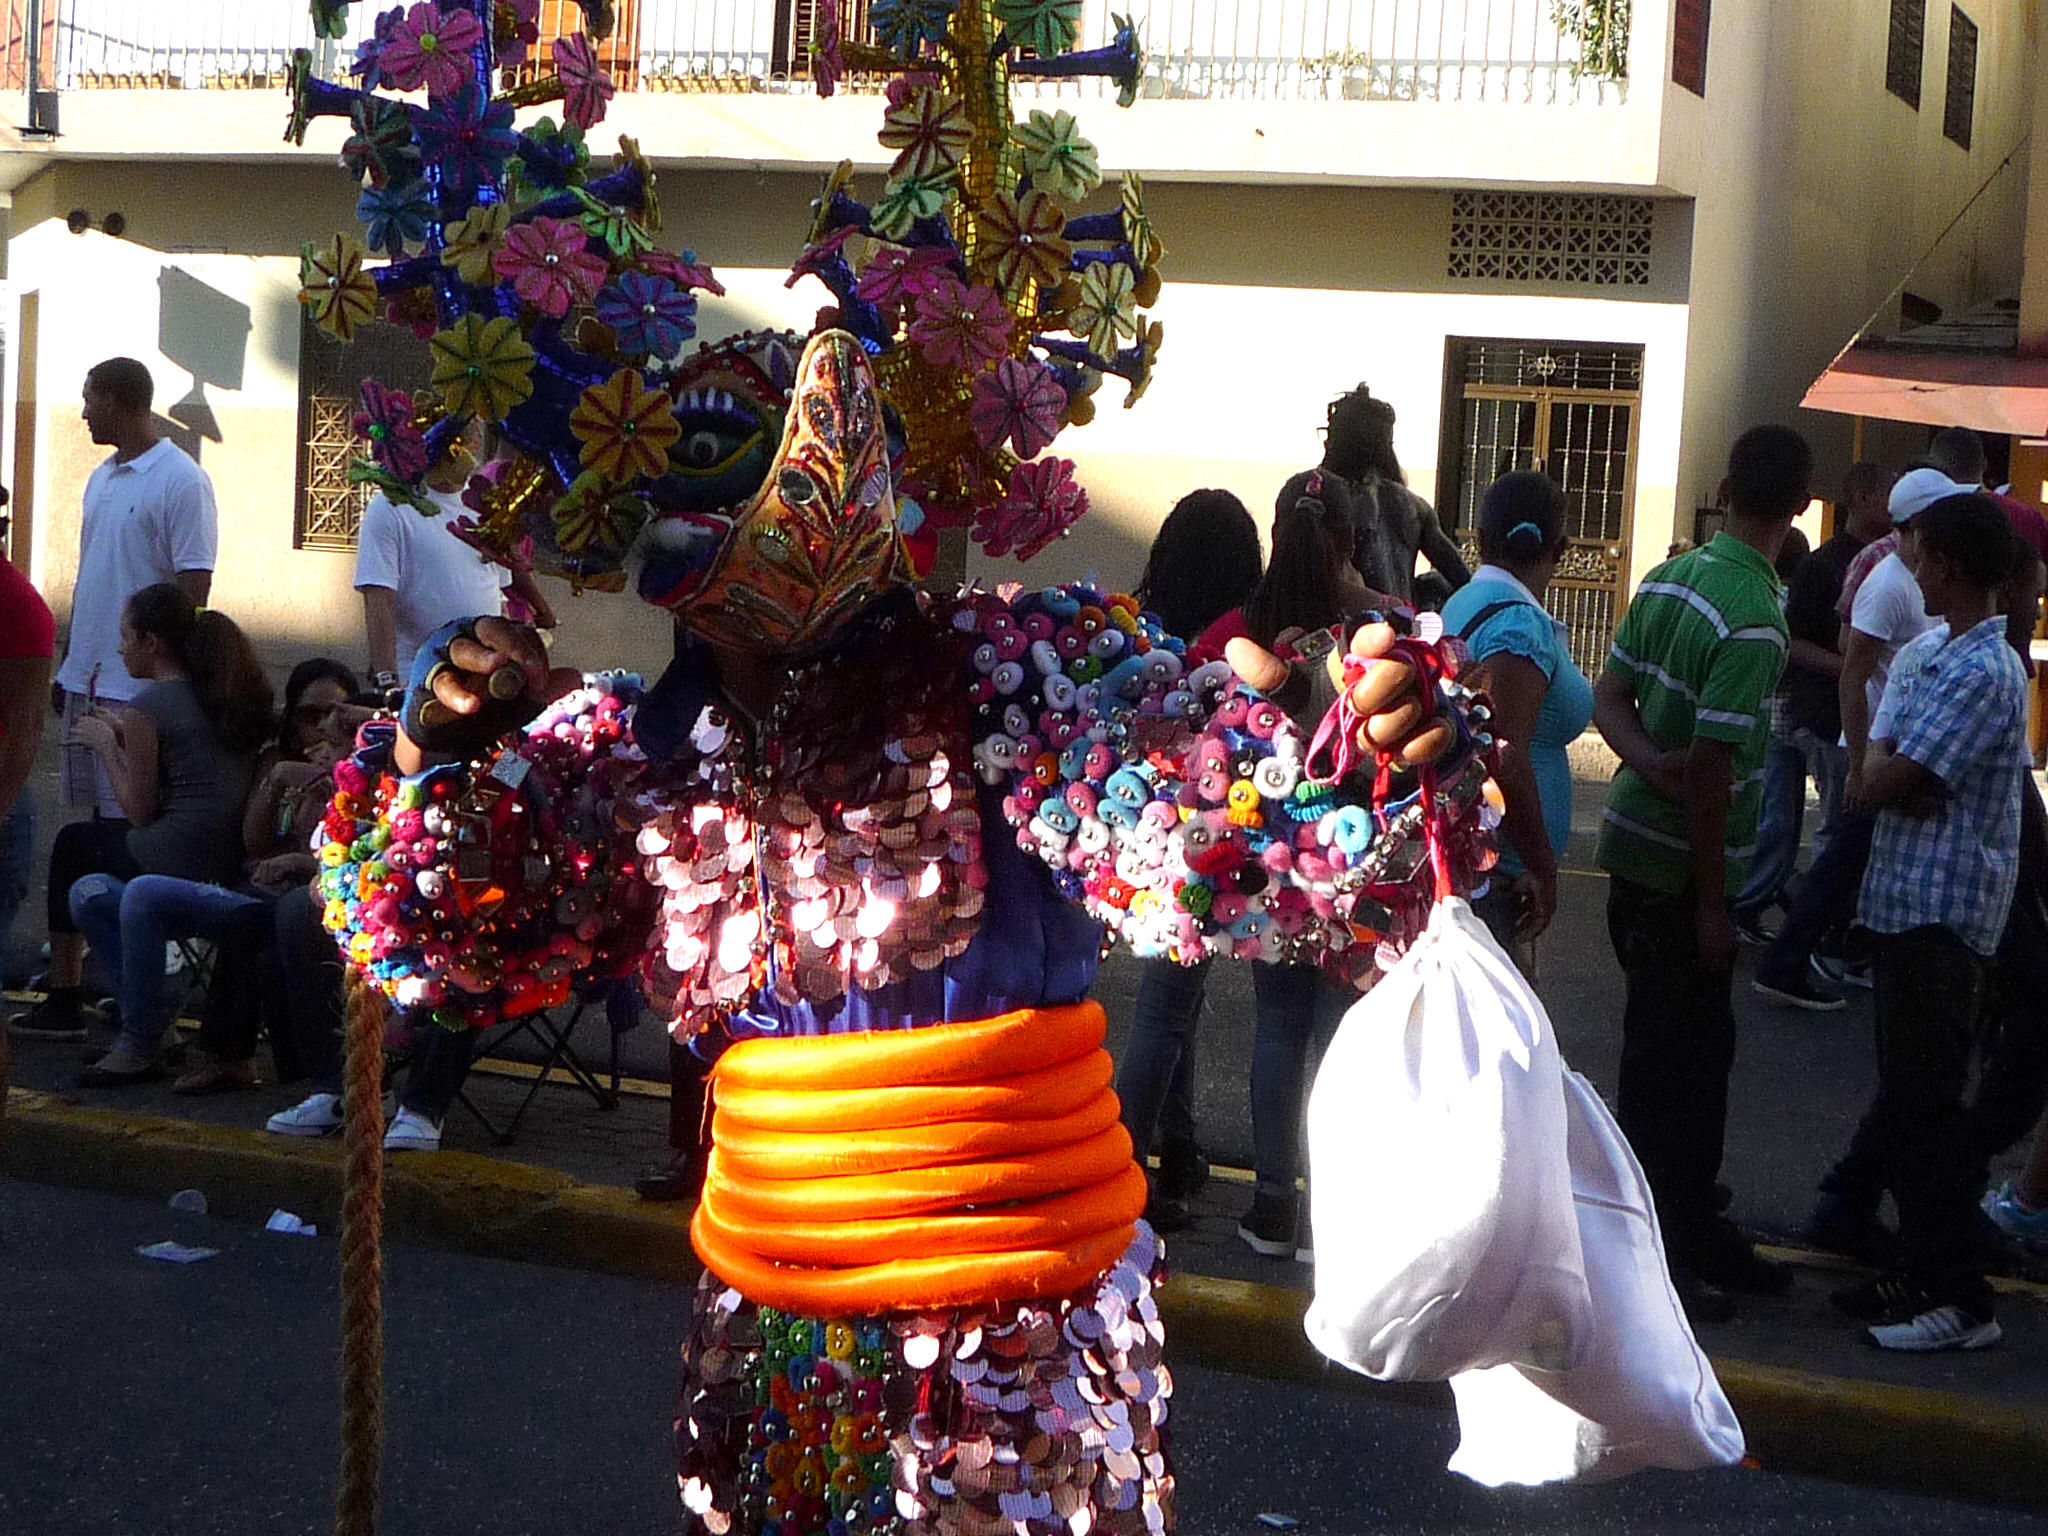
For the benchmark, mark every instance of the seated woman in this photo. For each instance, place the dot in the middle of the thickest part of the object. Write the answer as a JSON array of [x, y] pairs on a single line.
[[180, 758], [293, 784]]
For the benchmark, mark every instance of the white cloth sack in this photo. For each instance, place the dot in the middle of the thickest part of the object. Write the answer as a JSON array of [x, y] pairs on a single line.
[[1444, 1231], [1644, 1395]]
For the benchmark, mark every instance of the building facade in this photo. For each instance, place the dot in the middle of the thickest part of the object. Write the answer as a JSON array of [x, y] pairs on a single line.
[[1596, 236]]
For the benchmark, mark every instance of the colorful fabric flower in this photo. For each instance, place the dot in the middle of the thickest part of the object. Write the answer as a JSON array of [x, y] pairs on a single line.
[[1021, 239], [429, 47], [591, 512], [683, 269], [612, 227], [929, 131], [903, 203], [1135, 363], [470, 245], [821, 257], [1107, 308], [1046, 27], [380, 144], [649, 315], [1018, 401], [828, 63], [896, 275], [369, 49], [962, 327], [904, 25], [586, 87], [626, 429], [482, 367], [1130, 66], [1138, 232], [515, 26], [1056, 155], [335, 289], [550, 159], [549, 264], [902, 87], [330, 18], [394, 216], [386, 420], [415, 310], [469, 136], [1042, 502]]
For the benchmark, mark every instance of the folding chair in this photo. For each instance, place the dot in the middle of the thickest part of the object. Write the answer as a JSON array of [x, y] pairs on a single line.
[[619, 1005]]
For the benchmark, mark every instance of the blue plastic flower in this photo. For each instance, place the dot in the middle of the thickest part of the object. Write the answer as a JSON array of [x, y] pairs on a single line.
[[903, 24], [395, 216], [468, 136], [650, 316]]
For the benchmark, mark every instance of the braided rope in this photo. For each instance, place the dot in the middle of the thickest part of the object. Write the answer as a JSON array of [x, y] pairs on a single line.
[[362, 1262]]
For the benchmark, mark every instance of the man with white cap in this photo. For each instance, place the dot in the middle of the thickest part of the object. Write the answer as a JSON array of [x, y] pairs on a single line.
[[1886, 613]]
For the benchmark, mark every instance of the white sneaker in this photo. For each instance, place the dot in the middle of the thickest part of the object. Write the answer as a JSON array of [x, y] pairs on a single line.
[[1938, 1328], [412, 1131], [317, 1115]]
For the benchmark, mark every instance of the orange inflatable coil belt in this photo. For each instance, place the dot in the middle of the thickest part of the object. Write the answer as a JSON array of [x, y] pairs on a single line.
[[899, 1170]]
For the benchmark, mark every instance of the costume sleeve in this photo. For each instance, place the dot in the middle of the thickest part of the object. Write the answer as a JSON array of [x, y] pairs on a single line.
[[191, 524], [481, 890], [1186, 811]]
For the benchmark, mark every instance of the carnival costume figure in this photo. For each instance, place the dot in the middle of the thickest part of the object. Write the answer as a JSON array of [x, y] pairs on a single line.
[[860, 842]]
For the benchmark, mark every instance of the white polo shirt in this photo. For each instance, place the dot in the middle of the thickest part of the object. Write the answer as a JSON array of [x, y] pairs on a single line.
[[435, 576], [143, 522]]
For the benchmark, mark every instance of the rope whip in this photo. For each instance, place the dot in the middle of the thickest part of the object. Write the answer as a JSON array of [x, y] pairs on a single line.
[[362, 1261]]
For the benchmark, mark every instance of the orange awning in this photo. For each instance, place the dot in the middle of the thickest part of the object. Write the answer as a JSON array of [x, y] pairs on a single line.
[[1964, 371]]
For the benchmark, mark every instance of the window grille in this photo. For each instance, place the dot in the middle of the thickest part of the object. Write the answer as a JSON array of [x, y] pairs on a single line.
[[1905, 41], [1961, 103], [1689, 45], [328, 509], [1551, 237]]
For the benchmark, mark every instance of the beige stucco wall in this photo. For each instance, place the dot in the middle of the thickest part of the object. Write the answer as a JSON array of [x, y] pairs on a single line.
[[1277, 299], [1818, 192]]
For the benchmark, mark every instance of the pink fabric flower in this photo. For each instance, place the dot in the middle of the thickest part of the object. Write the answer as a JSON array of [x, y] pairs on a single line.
[[585, 85], [683, 269], [1020, 401], [820, 254], [902, 87], [429, 47], [1043, 502], [550, 265], [386, 421], [898, 275], [960, 327]]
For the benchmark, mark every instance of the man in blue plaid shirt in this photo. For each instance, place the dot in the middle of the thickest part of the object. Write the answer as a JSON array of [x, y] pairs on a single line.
[[1946, 766]]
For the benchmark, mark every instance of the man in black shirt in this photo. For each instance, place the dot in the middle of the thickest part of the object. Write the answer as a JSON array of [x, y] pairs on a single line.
[[1807, 731]]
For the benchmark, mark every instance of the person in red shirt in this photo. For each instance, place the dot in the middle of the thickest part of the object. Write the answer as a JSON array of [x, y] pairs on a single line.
[[28, 639]]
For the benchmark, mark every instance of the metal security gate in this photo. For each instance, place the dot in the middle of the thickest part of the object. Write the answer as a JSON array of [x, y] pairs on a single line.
[[1572, 410]]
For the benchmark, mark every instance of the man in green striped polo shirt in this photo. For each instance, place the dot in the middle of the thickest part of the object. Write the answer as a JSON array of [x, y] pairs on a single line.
[[1682, 703]]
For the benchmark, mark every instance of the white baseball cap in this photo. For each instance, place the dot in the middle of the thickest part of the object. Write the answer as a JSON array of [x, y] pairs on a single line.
[[1918, 489]]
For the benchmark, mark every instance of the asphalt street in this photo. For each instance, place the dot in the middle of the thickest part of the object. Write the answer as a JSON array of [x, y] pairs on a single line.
[[142, 1396]]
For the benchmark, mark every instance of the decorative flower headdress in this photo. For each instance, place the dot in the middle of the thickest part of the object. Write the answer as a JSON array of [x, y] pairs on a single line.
[[975, 313]]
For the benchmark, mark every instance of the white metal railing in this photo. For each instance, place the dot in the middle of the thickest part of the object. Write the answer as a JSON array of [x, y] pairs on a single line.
[[1528, 51]]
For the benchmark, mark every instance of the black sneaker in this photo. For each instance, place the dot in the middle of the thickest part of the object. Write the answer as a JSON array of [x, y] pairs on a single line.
[[680, 1178], [1167, 1213], [1887, 1299], [56, 1017], [1750, 929], [1723, 1257], [1269, 1227], [1799, 992], [1840, 1225], [1834, 971]]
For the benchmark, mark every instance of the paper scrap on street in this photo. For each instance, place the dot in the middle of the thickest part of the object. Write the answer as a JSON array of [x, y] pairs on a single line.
[[175, 1253]]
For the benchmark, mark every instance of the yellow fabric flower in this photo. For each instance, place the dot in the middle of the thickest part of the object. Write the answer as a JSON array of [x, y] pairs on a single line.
[[335, 289], [1022, 240], [482, 367], [1107, 307], [626, 429], [473, 242]]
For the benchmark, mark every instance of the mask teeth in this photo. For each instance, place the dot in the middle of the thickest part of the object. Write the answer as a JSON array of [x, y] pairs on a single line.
[[720, 400], [691, 399]]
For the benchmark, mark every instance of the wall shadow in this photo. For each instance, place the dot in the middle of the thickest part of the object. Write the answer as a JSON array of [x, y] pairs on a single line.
[[206, 333]]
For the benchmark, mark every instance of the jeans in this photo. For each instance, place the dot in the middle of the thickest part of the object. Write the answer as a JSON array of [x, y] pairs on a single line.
[[1789, 760], [309, 966], [1677, 1048], [1155, 1080], [17, 866], [1930, 992], [129, 922], [1289, 1002], [1826, 900]]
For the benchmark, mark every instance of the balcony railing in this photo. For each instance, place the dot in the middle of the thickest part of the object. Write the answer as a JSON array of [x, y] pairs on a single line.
[[1546, 52]]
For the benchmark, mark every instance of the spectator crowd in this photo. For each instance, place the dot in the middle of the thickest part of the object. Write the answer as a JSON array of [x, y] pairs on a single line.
[[1887, 669]]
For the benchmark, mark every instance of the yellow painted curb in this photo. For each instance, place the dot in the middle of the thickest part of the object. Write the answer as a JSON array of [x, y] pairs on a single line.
[[1856, 1431]]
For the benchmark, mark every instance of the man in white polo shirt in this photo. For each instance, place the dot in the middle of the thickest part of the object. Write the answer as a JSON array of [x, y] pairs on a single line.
[[148, 517]]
